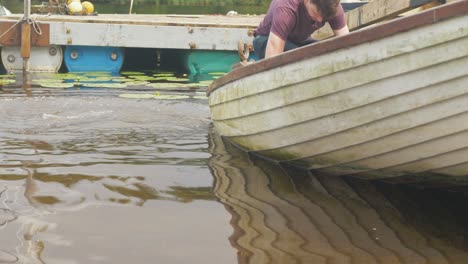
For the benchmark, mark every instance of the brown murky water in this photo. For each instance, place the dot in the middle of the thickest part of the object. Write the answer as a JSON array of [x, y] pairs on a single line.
[[89, 177]]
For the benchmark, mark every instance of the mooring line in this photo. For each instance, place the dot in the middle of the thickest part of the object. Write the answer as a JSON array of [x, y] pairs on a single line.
[[32, 21]]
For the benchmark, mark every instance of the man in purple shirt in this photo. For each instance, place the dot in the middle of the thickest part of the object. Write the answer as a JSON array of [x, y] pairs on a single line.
[[288, 24]]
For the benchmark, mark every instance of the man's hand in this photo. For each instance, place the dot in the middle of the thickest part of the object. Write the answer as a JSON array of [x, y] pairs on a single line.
[[275, 45], [342, 31]]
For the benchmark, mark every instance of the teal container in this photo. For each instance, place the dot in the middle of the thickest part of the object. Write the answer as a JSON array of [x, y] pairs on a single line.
[[206, 61]]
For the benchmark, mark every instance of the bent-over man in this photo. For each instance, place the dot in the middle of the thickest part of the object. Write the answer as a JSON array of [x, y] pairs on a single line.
[[288, 24]]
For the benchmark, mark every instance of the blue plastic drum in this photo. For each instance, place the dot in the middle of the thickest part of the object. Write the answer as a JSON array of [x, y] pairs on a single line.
[[93, 59]]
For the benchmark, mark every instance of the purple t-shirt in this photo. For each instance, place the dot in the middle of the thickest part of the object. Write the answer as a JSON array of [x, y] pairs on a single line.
[[289, 20]]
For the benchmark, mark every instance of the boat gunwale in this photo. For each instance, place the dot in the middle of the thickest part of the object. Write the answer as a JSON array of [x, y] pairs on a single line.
[[393, 27]]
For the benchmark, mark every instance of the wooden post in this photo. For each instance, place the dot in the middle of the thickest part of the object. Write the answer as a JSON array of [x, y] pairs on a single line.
[[26, 40], [26, 36]]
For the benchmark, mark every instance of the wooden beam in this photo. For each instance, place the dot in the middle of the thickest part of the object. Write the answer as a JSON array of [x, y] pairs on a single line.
[[373, 12], [25, 40]]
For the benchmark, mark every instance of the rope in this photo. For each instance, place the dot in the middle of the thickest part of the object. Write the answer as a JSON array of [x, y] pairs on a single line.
[[31, 21], [8, 30]]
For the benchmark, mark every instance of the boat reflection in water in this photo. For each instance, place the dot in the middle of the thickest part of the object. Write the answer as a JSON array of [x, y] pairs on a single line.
[[293, 217]]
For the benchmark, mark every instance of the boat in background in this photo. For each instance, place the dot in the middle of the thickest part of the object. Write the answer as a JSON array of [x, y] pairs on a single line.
[[4, 11], [381, 102]]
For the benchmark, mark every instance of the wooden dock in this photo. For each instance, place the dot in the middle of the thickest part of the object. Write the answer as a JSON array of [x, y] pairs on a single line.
[[202, 32], [45, 35]]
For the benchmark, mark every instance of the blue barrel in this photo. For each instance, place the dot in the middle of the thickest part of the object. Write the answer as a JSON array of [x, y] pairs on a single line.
[[93, 59]]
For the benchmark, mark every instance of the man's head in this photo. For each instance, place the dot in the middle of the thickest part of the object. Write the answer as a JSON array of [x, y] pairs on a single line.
[[320, 10]]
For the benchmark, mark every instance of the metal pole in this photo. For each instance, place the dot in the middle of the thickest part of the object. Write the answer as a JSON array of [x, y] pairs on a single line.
[[131, 7], [27, 9]]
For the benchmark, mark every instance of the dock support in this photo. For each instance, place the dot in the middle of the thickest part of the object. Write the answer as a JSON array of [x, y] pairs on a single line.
[[26, 44], [26, 36]]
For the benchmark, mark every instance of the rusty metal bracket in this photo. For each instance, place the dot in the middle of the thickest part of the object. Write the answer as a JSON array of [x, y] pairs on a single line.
[[13, 36]]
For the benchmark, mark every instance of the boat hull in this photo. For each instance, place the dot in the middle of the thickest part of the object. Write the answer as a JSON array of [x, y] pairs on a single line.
[[392, 106]]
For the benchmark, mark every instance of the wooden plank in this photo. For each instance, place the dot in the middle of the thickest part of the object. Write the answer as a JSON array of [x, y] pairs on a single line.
[[11, 32], [219, 21], [373, 12], [432, 4], [147, 36], [12, 37], [25, 40]]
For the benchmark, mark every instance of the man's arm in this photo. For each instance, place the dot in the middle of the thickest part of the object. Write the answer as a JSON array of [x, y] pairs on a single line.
[[342, 31], [275, 45]]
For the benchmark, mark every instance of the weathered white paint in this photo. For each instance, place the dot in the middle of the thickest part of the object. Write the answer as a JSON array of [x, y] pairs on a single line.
[[345, 59], [396, 105], [143, 36], [367, 79], [43, 59], [149, 31]]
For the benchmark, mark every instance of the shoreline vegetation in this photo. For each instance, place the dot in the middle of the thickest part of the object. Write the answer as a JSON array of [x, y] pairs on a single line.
[[248, 7], [162, 6], [187, 2]]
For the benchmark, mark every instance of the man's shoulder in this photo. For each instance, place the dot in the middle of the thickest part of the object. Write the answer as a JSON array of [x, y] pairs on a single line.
[[287, 4]]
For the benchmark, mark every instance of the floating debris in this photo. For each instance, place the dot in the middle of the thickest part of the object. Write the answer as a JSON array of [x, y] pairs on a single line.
[[39, 81], [176, 79], [217, 73], [97, 74], [57, 85], [132, 73], [170, 85], [205, 82], [94, 79], [200, 95], [7, 75], [162, 74], [121, 79], [154, 96], [65, 76], [143, 78], [7, 81], [105, 85], [137, 83]]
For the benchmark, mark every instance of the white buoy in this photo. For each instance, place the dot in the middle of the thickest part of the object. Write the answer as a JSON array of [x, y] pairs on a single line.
[[75, 7]]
